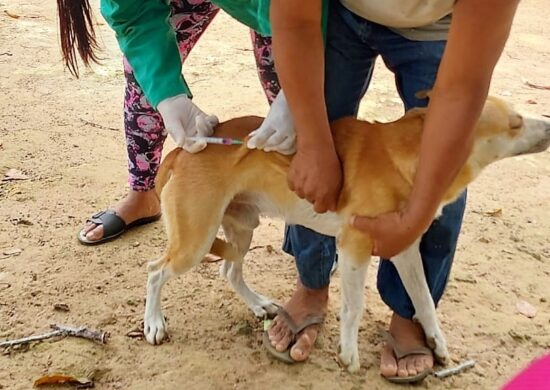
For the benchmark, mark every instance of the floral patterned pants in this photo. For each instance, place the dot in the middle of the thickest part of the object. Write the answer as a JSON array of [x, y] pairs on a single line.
[[145, 133]]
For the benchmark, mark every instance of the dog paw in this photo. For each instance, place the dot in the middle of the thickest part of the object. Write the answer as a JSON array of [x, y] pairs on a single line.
[[270, 307], [435, 339], [263, 307], [349, 357], [265, 310], [438, 344], [154, 329]]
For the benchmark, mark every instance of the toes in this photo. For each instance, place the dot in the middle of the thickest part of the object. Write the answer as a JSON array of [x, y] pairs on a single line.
[[95, 234], [423, 363], [155, 334], [304, 344], [402, 367], [89, 226], [388, 363], [427, 362], [275, 331], [284, 342], [155, 331], [411, 365]]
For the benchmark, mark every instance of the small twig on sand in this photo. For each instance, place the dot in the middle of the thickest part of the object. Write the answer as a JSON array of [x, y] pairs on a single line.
[[61, 330], [98, 126], [536, 86], [256, 247], [455, 370]]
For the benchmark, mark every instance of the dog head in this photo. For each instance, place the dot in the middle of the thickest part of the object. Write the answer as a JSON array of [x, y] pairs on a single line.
[[503, 132]]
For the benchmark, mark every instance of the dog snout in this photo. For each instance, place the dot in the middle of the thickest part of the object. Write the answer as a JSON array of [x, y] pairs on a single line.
[[536, 137]]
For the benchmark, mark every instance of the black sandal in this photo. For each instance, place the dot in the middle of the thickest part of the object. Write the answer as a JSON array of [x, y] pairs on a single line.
[[113, 226]]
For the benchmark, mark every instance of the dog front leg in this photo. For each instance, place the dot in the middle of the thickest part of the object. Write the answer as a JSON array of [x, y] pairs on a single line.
[[354, 272], [411, 271]]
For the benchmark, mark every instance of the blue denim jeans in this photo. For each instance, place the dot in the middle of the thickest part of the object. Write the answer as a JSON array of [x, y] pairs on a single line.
[[353, 44]]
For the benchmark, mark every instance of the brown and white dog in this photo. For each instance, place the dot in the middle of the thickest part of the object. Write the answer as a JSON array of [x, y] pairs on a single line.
[[230, 186]]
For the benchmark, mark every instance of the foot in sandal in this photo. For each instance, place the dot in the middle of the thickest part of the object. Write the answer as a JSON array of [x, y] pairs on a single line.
[[137, 208], [405, 358], [294, 330]]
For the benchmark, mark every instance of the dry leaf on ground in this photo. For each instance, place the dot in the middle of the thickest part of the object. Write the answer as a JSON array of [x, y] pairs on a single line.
[[61, 307], [494, 213], [526, 309], [59, 379], [536, 86], [12, 252], [14, 174], [11, 14]]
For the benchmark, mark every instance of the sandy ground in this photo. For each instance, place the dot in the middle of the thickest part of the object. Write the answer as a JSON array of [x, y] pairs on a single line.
[[65, 135]]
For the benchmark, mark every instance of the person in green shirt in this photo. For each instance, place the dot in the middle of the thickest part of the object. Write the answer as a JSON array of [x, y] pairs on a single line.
[[156, 59]]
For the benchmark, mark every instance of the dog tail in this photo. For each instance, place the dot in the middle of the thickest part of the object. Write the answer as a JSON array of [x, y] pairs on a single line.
[[165, 171]]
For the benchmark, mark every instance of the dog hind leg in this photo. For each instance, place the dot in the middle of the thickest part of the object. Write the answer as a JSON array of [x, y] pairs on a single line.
[[238, 225], [191, 228]]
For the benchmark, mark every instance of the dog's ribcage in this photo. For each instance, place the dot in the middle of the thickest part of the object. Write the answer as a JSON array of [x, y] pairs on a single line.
[[301, 213]]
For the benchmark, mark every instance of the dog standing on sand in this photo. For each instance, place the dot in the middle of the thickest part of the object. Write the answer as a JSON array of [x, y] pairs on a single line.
[[230, 186]]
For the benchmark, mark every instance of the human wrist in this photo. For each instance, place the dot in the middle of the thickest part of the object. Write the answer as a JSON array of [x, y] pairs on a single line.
[[321, 146], [419, 213], [317, 140]]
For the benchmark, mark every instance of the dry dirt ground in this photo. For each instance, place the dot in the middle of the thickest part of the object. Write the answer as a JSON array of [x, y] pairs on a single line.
[[65, 135]]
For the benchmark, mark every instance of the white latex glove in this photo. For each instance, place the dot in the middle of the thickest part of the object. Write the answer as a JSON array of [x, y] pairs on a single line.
[[276, 132], [183, 119]]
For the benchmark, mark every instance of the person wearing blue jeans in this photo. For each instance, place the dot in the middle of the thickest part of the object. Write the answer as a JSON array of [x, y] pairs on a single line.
[[353, 43]]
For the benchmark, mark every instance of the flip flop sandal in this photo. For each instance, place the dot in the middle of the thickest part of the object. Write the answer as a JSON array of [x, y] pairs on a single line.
[[295, 330], [400, 354], [113, 226]]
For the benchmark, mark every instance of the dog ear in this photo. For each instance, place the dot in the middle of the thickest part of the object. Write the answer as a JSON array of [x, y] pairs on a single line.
[[424, 94]]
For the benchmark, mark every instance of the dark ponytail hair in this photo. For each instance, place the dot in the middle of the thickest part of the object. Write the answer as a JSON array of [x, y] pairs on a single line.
[[77, 33]]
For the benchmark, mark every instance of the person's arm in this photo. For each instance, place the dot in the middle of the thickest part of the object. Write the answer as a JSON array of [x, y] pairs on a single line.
[[478, 33], [298, 50], [148, 41]]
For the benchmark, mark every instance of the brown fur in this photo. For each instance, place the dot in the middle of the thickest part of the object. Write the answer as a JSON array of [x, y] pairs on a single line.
[[378, 160], [379, 163]]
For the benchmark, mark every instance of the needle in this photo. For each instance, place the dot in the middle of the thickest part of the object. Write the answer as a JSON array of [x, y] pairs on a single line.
[[217, 140]]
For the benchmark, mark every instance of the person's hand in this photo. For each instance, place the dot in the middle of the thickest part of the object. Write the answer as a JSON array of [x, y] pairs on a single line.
[[183, 119], [391, 233], [276, 132], [315, 174]]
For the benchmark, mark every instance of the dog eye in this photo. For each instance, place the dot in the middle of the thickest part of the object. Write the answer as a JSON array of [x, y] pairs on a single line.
[[516, 122]]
